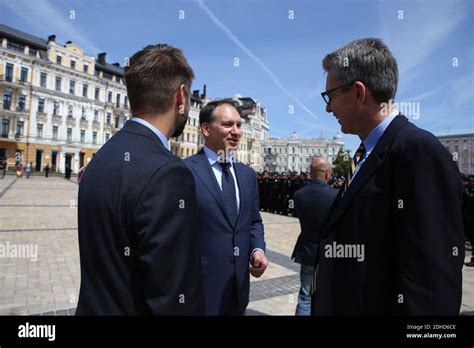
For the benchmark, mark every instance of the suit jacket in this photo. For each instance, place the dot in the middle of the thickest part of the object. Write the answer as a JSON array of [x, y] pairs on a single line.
[[404, 207], [312, 203], [226, 249], [137, 230]]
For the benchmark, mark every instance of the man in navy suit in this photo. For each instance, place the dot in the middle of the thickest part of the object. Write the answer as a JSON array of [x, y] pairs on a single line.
[[230, 226], [393, 240], [137, 202], [312, 203]]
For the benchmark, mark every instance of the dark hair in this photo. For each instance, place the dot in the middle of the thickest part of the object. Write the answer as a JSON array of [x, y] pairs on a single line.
[[153, 75], [369, 61], [207, 112]]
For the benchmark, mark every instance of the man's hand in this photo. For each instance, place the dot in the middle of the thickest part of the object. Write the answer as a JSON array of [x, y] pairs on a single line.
[[258, 263]]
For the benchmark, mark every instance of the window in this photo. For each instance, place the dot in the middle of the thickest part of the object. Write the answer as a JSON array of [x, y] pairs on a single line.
[[15, 46], [55, 132], [116, 121], [41, 105], [9, 72], [83, 135], [19, 128], [125, 102], [109, 97], [72, 87], [94, 137], [96, 115], [69, 110], [86, 68], [73, 64], [69, 134], [39, 130], [32, 52], [59, 60], [117, 102], [117, 79], [109, 116], [21, 102], [56, 108], [7, 101], [107, 136], [43, 77], [58, 84], [5, 128], [83, 113], [464, 146], [97, 91], [84, 90], [24, 74]]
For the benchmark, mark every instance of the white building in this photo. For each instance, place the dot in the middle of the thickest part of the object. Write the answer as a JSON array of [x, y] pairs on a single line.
[[294, 154]]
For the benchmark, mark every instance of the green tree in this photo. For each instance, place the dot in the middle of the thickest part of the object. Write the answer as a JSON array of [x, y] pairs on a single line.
[[342, 162]]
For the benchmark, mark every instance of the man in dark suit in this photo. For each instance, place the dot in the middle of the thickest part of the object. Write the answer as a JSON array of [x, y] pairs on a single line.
[[137, 202], [312, 203], [230, 226], [393, 240]]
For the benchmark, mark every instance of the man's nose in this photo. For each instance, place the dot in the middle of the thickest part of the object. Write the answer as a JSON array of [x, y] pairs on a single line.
[[328, 108]]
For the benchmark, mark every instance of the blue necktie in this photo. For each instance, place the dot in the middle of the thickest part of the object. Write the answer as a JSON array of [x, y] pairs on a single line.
[[228, 192]]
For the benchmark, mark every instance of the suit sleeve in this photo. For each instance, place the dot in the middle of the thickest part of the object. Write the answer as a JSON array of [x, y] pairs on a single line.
[[428, 229], [256, 231], [168, 251]]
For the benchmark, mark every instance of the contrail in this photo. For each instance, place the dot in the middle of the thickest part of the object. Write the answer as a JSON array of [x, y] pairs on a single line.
[[251, 55]]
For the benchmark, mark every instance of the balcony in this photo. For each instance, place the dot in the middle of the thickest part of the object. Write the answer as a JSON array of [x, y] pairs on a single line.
[[7, 105], [18, 136], [71, 121], [41, 117], [56, 119], [10, 81], [84, 122], [95, 125]]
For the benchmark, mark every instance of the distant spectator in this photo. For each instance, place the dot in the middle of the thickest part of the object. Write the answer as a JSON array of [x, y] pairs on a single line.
[[46, 170], [19, 170], [28, 169], [4, 166]]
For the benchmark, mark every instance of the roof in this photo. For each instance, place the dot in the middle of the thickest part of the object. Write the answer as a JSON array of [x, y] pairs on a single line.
[[23, 37], [467, 135], [110, 68]]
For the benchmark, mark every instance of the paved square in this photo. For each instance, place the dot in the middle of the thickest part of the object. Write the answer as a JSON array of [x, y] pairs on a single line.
[[41, 212]]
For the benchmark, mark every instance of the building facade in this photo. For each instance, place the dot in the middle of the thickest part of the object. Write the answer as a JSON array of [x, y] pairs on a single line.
[[59, 105], [294, 154], [461, 146]]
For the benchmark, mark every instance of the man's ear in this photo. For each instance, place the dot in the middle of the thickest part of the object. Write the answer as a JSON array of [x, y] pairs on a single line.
[[181, 98], [361, 91], [205, 129]]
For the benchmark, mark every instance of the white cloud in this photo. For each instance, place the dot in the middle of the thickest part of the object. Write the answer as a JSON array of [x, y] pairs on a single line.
[[244, 48], [45, 17]]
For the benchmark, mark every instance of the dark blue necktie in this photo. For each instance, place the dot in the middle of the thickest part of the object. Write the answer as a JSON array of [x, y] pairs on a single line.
[[228, 192]]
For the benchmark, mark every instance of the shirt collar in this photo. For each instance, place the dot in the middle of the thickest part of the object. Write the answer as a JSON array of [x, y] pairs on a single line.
[[154, 130], [213, 157], [376, 133]]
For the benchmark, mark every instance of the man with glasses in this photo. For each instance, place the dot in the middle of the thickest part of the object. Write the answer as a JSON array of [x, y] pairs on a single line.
[[393, 240]]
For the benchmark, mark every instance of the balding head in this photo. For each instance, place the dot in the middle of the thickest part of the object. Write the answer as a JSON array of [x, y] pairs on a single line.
[[321, 169]]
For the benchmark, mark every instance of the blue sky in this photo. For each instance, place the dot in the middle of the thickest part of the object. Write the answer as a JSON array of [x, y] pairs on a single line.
[[280, 58]]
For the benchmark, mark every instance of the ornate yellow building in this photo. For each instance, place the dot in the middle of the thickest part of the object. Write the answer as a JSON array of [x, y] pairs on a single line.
[[59, 105]]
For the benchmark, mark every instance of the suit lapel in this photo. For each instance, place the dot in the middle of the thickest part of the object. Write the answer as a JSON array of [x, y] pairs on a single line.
[[367, 169], [204, 171]]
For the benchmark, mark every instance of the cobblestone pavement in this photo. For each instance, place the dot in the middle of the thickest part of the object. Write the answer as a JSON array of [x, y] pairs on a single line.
[[42, 212]]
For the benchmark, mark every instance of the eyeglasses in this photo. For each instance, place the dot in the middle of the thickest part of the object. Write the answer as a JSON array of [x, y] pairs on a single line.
[[326, 96]]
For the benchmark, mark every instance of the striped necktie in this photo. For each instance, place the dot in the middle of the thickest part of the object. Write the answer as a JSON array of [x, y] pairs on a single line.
[[355, 161]]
